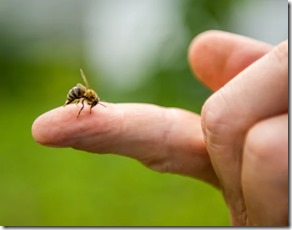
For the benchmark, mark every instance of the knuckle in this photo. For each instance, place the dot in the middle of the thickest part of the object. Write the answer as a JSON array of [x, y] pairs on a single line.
[[215, 115]]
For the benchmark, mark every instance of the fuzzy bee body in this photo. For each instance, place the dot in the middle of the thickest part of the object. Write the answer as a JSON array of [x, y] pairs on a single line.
[[81, 93], [75, 93]]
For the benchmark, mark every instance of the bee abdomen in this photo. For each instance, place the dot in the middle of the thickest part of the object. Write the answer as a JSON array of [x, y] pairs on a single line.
[[73, 94]]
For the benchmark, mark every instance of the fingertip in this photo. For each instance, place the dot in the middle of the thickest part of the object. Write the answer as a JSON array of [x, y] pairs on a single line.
[[34, 130], [215, 57], [200, 42], [56, 127], [62, 127], [43, 130], [207, 57]]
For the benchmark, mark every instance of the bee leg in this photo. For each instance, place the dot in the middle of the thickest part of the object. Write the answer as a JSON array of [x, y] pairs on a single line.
[[77, 101], [67, 102], [81, 107], [91, 108], [92, 104]]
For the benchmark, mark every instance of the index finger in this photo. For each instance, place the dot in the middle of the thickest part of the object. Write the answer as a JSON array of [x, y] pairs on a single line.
[[164, 139]]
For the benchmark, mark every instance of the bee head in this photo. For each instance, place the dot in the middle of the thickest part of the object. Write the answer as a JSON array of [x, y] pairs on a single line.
[[94, 103]]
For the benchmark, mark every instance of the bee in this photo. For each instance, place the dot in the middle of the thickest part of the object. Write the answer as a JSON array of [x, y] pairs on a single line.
[[83, 93]]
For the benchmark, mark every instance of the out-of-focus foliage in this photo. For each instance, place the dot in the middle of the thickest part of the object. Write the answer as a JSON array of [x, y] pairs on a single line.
[[39, 63]]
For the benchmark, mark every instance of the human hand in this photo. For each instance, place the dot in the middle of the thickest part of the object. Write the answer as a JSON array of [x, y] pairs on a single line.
[[245, 123], [164, 139]]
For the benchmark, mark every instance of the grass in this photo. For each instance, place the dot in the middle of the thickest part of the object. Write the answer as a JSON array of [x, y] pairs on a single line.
[[63, 187]]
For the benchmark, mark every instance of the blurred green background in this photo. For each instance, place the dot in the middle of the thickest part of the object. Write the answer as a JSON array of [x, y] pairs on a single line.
[[131, 51]]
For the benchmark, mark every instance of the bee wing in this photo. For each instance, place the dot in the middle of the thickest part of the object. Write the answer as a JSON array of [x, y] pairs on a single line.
[[82, 87], [84, 79]]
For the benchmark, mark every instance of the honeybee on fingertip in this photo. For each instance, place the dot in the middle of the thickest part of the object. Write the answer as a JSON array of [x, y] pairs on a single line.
[[83, 93]]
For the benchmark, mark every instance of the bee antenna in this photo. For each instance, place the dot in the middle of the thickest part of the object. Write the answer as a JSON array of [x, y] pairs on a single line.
[[102, 105], [84, 78]]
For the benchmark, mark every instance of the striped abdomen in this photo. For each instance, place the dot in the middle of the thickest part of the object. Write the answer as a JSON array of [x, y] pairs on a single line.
[[76, 92]]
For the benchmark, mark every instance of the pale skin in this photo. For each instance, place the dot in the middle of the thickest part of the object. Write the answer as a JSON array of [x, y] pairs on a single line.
[[239, 143]]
